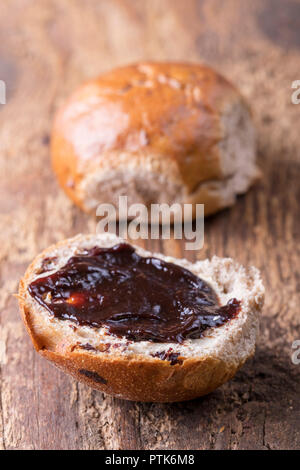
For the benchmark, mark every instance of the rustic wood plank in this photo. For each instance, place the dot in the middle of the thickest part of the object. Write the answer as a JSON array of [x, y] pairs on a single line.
[[46, 49]]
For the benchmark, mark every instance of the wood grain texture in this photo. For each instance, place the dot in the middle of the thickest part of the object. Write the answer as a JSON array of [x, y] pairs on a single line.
[[46, 49]]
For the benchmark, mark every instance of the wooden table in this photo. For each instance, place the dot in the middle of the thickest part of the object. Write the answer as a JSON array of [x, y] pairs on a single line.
[[46, 49]]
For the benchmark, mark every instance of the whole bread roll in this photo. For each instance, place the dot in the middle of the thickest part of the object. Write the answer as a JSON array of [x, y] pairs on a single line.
[[146, 370], [157, 133]]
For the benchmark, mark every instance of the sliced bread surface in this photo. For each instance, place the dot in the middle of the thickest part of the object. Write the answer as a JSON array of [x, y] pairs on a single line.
[[144, 370]]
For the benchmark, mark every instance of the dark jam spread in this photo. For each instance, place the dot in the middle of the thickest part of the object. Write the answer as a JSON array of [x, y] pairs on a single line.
[[140, 298]]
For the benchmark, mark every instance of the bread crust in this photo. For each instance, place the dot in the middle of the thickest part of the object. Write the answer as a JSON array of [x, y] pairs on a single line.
[[152, 131], [138, 377]]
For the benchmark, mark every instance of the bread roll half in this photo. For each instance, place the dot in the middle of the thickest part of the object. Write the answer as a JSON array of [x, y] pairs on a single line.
[[157, 133], [145, 370]]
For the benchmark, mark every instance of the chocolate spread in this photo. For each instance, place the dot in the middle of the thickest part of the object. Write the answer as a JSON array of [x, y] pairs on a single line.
[[140, 298]]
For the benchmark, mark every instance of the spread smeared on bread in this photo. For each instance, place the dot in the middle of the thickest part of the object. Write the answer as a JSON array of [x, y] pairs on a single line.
[[145, 370]]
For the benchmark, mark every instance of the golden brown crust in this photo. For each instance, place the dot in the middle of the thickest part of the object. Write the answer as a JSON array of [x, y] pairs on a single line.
[[135, 378], [162, 116], [144, 380]]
